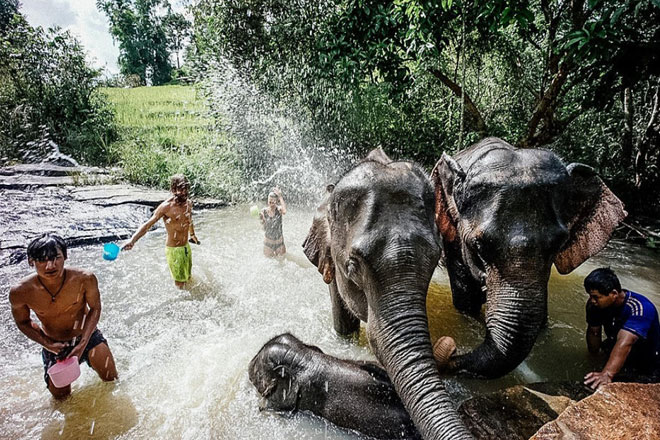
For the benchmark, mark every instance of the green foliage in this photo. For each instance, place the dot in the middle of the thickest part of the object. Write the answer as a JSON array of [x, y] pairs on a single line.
[[143, 41], [164, 130], [419, 77], [48, 93]]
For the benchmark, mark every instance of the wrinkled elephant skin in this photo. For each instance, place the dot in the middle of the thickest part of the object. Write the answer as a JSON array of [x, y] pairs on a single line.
[[291, 376], [376, 244], [505, 216]]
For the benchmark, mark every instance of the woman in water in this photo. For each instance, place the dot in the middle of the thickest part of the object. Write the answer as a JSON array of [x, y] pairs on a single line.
[[271, 220]]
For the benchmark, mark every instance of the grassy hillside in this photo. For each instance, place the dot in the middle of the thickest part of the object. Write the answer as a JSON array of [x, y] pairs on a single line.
[[164, 130]]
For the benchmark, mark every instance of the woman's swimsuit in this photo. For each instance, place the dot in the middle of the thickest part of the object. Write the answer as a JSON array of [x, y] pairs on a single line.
[[273, 227]]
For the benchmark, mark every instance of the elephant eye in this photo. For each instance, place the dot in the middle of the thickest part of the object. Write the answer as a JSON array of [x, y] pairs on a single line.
[[352, 267]]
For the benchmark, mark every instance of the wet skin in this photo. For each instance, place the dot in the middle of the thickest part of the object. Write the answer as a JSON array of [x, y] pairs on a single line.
[[68, 305], [292, 376], [176, 213], [272, 207]]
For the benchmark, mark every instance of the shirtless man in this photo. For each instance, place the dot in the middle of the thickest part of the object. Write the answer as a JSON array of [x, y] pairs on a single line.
[[68, 305], [176, 213]]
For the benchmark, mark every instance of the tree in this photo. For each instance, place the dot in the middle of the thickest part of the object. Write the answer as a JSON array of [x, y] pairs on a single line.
[[178, 30], [421, 77], [143, 43], [7, 10], [48, 93]]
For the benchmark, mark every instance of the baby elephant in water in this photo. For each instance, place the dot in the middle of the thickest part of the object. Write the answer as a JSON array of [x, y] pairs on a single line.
[[291, 375]]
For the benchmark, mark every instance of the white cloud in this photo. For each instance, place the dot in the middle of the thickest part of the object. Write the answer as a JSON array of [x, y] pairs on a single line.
[[82, 19], [86, 22]]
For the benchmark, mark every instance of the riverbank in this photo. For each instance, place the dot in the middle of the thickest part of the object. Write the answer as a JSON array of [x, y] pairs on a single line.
[[83, 204]]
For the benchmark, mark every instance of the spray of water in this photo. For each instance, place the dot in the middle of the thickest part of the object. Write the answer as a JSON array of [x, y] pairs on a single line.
[[276, 145]]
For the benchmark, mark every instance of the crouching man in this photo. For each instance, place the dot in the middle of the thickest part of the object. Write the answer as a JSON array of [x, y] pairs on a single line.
[[67, 303], [632, 331]]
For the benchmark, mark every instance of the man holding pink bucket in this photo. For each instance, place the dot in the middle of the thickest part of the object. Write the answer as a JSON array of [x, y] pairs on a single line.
[[68, 305]]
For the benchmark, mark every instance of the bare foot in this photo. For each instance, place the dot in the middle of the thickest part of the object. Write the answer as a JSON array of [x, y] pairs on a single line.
[[442, 351]]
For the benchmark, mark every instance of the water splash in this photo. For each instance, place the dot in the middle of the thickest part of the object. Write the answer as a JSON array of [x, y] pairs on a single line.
[[276, 145]]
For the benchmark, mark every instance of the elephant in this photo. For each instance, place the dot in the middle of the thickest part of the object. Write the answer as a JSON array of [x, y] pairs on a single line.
[[292, 376], [505, 216], [375, 241]]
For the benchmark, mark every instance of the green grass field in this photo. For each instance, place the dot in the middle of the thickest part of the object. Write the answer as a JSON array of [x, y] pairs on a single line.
[[172, 114], [165, 130]]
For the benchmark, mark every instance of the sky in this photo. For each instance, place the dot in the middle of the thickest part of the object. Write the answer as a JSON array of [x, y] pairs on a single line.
[[82, 19]]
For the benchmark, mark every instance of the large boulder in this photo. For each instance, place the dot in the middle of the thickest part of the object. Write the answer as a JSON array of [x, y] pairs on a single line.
[[617, 411]]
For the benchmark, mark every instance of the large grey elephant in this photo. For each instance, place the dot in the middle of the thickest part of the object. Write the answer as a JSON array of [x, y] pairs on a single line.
[[375, 241], [506, 215]]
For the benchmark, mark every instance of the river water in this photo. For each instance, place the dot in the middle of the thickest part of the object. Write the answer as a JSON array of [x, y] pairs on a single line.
[[182, 355]]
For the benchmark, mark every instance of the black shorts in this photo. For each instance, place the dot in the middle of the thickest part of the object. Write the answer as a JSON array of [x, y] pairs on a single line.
[[50, 358]]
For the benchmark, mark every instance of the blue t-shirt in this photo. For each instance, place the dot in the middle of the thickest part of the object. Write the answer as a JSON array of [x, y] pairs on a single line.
[[637, 315]]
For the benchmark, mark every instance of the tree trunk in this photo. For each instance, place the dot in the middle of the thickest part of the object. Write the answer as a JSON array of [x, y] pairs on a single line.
[[627, 135]]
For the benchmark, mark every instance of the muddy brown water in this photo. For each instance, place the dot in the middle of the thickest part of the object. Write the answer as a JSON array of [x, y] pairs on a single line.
[[182, 355]]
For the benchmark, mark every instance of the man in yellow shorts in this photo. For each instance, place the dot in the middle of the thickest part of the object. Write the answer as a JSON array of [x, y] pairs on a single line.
[[176, 213]]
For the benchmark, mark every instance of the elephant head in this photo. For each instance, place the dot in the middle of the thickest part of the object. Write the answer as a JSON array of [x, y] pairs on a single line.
[[506, 215], [275, 372], [375, 242]]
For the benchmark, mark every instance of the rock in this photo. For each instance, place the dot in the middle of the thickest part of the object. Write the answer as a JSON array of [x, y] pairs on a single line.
[[46, 169], [617, 411], [40, 198], [517, 412]]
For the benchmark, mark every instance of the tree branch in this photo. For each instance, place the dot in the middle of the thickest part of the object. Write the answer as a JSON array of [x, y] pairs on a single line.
[[470, 107]]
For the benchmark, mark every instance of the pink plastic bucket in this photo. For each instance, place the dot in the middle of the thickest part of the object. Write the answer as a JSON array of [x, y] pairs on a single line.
[[64, 372]]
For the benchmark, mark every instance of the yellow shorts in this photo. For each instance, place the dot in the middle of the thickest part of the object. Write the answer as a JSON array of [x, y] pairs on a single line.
[[180, 261]]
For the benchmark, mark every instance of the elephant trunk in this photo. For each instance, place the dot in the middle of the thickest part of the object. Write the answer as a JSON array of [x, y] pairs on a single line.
[[515, 313], [404, 348]]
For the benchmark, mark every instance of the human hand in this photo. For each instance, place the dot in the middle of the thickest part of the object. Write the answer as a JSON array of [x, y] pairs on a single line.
[[194, 239], [597, 378], [77, 351], [56, 347], [128, 246]]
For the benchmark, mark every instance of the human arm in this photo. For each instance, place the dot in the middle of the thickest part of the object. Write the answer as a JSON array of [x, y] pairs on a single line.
[[193, 237], [157, 215], [21, 313], [191, 228], [282, 204], [624, 343], [91, 319], [594, 338]]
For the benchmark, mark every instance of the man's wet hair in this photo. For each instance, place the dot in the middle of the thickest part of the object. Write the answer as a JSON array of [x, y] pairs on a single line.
[[45, 247], [604, 280], [179, 181]]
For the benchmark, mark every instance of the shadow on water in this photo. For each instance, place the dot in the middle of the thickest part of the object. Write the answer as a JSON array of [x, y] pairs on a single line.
[[97, 411]]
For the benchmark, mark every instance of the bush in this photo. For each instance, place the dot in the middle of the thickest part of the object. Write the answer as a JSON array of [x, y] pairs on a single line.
[[49, 93]]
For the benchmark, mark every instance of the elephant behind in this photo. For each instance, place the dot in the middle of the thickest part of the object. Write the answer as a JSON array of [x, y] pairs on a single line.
[[505, 216], [375, 241]]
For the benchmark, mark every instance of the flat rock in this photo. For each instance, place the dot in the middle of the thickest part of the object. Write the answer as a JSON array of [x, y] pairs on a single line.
[[49, 169], [617, 411], [112, 195], [34, 203]]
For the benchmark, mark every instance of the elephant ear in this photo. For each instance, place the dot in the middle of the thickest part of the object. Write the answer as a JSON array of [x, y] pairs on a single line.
[[446, 175], [317, 243], [593, 212], [378, 155]]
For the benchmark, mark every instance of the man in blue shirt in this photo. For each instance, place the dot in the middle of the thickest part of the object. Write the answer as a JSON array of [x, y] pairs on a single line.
[[631, 327]]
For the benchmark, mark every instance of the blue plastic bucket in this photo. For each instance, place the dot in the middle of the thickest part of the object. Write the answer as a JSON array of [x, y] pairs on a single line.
[[110, 251]]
